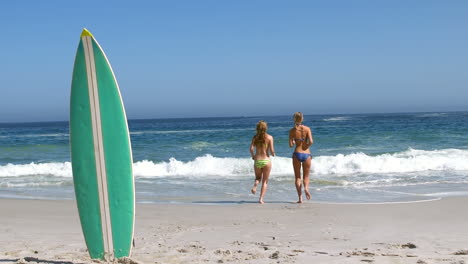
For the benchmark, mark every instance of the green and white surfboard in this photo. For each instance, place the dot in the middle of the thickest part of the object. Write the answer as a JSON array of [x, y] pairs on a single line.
[[101, 154]]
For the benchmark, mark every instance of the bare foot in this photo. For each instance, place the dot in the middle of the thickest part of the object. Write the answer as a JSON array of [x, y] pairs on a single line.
[[254, 190], [307, 193], [261, 201], [300, 200]]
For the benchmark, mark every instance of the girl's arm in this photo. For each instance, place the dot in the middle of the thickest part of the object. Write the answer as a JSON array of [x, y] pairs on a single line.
[[252, 145], [291, 139], [310, 140], [272, 147]]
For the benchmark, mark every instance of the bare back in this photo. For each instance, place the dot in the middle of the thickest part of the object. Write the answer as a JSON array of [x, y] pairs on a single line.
[[301, 136], [263, 150]]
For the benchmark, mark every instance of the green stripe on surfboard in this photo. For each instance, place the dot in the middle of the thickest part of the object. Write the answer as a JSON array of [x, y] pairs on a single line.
[[118, 162], [83, 158], [117, 156]]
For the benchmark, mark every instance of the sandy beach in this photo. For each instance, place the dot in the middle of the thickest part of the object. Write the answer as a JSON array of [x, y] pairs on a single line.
[[46, 231]]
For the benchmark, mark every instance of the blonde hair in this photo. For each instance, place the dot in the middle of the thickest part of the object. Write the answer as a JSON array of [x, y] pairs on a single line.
[[260, 137], [298, 117]]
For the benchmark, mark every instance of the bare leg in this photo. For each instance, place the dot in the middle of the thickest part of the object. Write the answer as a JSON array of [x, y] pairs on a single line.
[[297, 175], [266, 175], [306, 170], [258, 177]]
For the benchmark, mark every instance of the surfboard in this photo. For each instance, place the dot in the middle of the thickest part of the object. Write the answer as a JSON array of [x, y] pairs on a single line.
[[101, 154]]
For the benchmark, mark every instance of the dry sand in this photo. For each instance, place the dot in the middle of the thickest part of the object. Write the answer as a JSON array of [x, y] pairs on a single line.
[[37, 231]]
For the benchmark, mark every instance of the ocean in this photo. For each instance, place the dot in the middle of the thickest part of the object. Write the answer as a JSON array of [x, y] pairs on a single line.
[[362, 158]]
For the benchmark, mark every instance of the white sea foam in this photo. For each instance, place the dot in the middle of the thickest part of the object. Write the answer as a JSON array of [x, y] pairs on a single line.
[[35, 135], [432, 115], [199, 167], [188, 131], [409, 161], [338, 118], [52, 169], [34, 184], [200, 145]]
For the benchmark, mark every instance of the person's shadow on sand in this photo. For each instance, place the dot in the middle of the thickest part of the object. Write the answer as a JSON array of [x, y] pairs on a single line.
[[241, 202]]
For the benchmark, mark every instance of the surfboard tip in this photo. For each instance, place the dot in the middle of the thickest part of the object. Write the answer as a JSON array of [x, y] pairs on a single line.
[[85, 32]]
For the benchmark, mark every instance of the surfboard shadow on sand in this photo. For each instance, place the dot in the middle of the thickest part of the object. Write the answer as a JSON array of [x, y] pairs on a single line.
[[37, 260]]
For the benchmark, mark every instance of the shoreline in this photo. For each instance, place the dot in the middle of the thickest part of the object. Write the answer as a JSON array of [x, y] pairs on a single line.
[[254, 200], [48, 231]]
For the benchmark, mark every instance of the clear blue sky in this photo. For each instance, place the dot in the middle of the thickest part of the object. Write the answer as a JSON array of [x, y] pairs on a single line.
[[235, 58]]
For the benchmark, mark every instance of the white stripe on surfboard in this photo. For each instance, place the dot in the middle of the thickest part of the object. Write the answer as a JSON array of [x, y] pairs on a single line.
[[98, 148], [129, 144]]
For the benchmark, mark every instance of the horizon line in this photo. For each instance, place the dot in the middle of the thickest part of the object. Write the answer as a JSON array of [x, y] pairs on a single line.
[[244, 116]]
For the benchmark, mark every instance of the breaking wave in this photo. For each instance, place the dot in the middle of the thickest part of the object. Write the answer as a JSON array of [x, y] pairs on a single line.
[[411, 160]]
